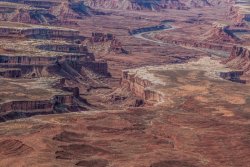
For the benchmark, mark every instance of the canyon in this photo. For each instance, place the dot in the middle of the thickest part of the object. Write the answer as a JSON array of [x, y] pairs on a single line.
[[130, 83]]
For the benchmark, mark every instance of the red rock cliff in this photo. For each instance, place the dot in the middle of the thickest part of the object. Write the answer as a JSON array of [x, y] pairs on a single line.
[[239, 58]]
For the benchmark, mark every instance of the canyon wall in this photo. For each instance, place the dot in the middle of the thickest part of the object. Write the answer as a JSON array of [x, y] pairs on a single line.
[[239, 59], [33, 32], [40, 60], [106, 43], [38, 106], [63, 99], [69, 48], [141, 87], [222, 33], [31, 67], [99, 67]]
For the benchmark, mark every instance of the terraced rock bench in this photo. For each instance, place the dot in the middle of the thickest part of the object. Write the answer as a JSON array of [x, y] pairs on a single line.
[[24, 97], [10, 72], [19, 30]]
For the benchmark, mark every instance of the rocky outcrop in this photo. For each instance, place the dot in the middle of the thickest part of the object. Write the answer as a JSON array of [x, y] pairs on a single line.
[[72, 9], [222, 33], [34, 16], [141, 87], [233, 76], [101, 37], [239, 12], [99, 67], [80, 8], [239, 59], [44, 106], [25, 13], [107, 42], [50, 33], [21, 109], [61, 101], [51, 52], [32, 59], [43, 67]]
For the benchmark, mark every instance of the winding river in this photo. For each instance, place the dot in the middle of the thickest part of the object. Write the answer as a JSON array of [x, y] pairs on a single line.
[[145, 35], [142, 35]]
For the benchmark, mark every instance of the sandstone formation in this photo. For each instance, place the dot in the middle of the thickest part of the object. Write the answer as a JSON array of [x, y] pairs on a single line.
[[240, 12], [100, 42], [37, 64], [32, 31], [141, 87], [102, 83], [222, 33], [239, 59], [17, 102]]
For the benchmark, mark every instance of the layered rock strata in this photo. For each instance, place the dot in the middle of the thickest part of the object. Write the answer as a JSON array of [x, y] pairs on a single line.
[[240, 11], [239, 59], [34, 67], [41, 54], [34, 96], [141, 87], [221, 33], [37, 32], [106, 43]]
